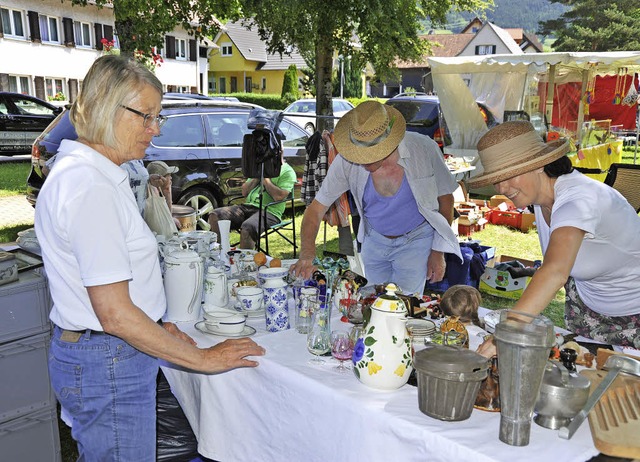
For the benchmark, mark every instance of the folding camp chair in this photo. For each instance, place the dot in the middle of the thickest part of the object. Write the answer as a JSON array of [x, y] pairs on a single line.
[[625, 178], [286, 224]]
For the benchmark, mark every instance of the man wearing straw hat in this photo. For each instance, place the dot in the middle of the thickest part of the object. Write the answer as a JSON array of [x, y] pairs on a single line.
[[588, 233], [403, 191]]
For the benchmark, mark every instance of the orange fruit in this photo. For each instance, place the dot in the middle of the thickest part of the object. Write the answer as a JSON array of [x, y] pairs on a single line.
[[275, 263], [260, 258]]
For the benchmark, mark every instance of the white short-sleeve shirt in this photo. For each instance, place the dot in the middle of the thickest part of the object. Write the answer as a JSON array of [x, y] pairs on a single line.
[[607, 267], [91, 233]]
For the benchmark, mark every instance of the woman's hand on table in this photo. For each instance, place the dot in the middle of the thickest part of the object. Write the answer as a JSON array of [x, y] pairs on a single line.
[[488, 347], [231, 354], [303, 268]]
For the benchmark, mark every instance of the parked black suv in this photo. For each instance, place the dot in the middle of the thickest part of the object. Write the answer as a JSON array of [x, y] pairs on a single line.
[[423, 115], [22, 119], [202, 138]]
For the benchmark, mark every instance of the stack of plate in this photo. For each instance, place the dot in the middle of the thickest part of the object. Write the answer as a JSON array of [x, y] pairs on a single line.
[[419, 329]]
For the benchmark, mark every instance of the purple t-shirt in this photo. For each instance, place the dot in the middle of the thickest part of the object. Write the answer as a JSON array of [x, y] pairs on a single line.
[[391, 215]]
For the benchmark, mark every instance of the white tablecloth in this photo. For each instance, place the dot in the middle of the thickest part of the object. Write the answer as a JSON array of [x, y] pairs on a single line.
[[288, 409]]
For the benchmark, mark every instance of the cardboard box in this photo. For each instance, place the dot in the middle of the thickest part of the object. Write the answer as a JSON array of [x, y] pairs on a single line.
[[499, 199], [500, 283], [527, 222]]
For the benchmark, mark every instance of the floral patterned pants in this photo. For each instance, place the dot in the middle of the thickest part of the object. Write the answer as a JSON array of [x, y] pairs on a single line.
[[613, 330]]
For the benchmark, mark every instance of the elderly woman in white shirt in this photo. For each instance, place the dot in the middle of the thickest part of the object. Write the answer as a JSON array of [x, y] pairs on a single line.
[[104, 275]]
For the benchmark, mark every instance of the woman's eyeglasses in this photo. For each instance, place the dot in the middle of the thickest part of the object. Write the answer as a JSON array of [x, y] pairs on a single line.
[[149, 119]]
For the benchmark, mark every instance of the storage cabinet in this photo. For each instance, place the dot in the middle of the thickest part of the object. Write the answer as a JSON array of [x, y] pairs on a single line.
[[28, 418]]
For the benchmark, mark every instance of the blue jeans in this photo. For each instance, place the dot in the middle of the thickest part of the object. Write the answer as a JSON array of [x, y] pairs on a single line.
[[108, 389], [402, 260]]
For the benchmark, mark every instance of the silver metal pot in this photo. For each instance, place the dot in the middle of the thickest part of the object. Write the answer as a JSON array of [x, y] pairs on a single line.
[[561, 397]]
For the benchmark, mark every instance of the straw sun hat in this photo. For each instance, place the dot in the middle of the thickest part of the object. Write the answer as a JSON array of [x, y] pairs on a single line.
[[369, 132], [511, 149]]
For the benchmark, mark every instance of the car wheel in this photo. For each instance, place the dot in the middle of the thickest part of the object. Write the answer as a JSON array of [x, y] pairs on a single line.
[[203, 202], [310, 128]]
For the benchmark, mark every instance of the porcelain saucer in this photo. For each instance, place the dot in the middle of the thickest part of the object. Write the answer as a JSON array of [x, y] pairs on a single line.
[[248, 331], [250, 313]]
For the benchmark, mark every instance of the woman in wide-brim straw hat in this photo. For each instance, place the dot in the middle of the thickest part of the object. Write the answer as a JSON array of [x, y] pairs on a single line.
[[588, 233], [403, 191]]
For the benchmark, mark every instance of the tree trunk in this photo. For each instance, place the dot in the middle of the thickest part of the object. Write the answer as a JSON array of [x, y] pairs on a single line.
[[324, 85], [124, 28]]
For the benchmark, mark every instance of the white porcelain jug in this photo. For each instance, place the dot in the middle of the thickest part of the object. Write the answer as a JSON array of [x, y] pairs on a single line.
[[183, 281], [382, 355], [216, 291]]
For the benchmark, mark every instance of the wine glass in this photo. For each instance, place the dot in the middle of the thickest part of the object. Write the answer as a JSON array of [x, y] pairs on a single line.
[[341, 348]]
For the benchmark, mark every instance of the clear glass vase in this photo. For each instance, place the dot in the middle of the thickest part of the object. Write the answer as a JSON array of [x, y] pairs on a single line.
[[319, 337]]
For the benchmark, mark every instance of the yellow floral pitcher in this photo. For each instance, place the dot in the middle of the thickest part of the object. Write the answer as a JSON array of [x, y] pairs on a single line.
[[382, 355]]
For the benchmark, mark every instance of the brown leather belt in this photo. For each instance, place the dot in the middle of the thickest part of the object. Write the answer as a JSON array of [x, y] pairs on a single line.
[[73, 336]]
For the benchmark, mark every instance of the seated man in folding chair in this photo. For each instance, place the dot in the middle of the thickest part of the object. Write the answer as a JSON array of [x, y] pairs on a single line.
[[245, 217]]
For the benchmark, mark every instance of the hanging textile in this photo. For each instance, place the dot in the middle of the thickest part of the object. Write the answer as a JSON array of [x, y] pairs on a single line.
[[338, 213], [315, 168]]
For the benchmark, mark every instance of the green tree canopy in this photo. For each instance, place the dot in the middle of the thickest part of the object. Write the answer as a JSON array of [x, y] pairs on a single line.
[[374, 31], [596, 25], [142, 24]]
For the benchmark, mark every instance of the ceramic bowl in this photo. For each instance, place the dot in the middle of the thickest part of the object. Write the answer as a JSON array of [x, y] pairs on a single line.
[[224, 322], [265, 273], [250, 298]]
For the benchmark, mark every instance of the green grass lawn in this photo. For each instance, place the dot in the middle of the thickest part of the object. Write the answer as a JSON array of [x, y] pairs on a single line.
[[13, 178]]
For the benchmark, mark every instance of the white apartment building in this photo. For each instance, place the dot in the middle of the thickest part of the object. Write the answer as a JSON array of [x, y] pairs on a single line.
[[47, 47]]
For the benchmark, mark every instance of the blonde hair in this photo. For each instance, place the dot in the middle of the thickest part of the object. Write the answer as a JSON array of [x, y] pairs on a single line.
[[462, 301], [111, 80]]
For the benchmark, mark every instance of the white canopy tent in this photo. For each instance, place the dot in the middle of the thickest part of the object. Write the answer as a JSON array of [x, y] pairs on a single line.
[[503, 82]]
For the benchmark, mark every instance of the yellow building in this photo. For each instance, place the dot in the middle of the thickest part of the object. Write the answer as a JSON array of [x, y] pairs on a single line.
[[241, 63]]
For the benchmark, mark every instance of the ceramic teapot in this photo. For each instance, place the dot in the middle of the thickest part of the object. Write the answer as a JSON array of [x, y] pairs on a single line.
[[183, 281], [382, 355], [216, 292]]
